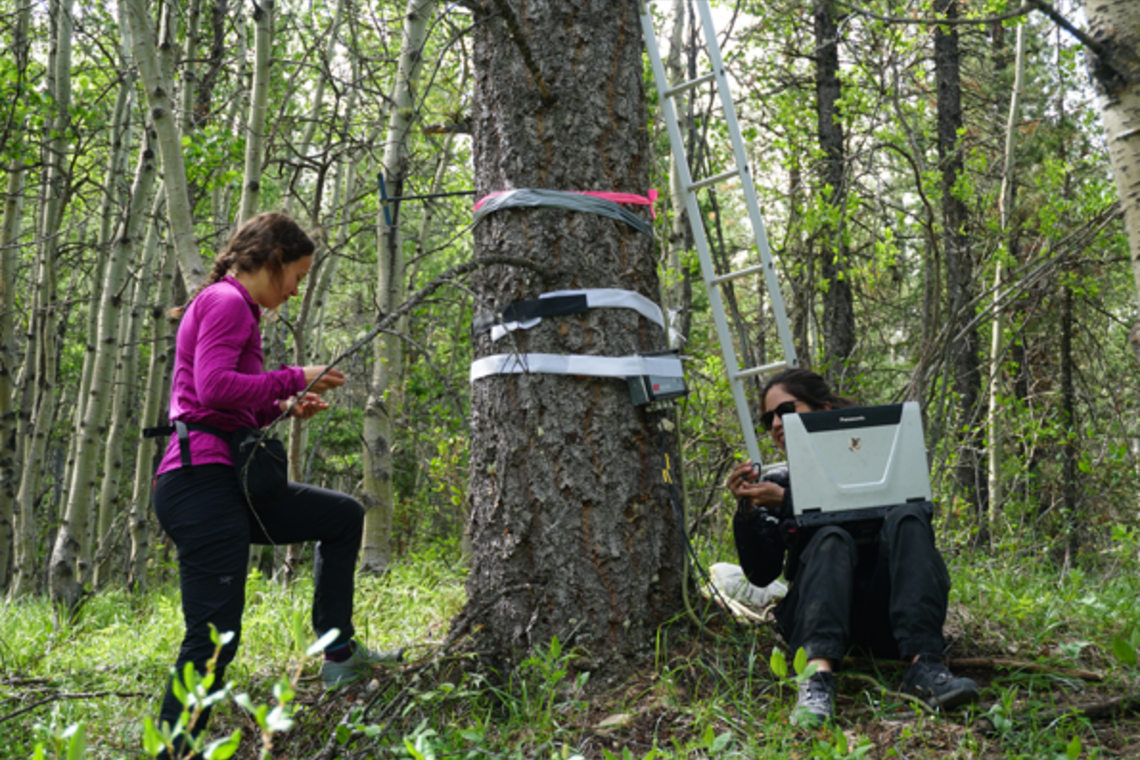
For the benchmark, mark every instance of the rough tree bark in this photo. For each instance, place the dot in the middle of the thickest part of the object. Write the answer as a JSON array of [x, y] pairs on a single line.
[[971, 473], [571, 523]]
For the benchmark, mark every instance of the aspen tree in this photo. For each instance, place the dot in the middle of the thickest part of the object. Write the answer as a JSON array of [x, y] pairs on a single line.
[[1115, 71], [161, 109], [382, 407], [1005, 200], [69, 565], [9, 242], [259, 103], [161, 337], [41, 357]]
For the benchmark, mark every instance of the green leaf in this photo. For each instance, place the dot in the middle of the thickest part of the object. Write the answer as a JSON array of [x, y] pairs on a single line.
[[1124, 651], [1073, 751], [343, 734], [778, 664], [223, 749], [186, 141], [721, 742], [152, 742], [800, 663], [77, 746]]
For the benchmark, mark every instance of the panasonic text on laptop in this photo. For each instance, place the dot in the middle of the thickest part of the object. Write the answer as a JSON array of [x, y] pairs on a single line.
[[855, 463]]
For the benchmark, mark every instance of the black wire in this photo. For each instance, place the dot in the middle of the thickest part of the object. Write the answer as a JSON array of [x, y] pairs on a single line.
[[703, 576]]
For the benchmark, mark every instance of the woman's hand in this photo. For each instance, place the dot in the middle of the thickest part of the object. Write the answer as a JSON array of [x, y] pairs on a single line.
[[306, 408], [743, 483], [333, 378]]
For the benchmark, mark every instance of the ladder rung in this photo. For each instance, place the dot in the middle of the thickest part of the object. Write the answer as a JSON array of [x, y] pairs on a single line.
[[775, 366], [713, 180], [737, 275], [686, 86]]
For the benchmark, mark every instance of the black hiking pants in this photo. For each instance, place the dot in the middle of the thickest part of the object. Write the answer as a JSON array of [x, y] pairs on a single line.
[[205, 513], [894, 608]]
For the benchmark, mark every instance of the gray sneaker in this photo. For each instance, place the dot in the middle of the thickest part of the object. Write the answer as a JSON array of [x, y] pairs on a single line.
[[358, 666], [933, 683], [816, 701]]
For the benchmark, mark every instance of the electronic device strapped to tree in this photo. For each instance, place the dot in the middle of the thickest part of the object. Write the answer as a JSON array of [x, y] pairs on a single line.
[[653, 389]]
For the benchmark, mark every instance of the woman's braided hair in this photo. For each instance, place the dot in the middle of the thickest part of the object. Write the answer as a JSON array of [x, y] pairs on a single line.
[[807, 386], [272, 240]]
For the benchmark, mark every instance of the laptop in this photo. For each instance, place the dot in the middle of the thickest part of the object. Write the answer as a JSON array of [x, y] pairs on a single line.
[[856, 464]]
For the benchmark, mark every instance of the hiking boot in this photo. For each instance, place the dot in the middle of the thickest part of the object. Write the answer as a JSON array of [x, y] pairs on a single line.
[[358, 665], [933, 683], [816, 701]]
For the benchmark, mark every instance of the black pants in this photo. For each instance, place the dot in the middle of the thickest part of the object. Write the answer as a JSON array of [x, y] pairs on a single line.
[[203, 511], [893, 608]]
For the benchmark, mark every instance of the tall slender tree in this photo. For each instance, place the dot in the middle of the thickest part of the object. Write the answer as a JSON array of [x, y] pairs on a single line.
[[960, 286]]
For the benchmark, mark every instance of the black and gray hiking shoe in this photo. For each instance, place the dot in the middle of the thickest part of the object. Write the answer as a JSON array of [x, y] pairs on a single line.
[[933, 683], [816, 701]]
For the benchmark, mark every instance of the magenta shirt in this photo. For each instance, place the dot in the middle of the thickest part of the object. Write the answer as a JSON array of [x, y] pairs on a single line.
[[218, 374]]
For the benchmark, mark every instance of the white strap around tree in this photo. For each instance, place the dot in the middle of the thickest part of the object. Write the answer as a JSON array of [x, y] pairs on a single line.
[[595, 298], [575, 364]]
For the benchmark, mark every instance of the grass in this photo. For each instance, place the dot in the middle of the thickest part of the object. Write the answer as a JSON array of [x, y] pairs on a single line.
[[715, 697]]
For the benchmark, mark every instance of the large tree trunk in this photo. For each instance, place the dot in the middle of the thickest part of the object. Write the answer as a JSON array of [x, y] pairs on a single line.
[[838, 306], [971, 475], [383, 405], [571, 522], [1115, 24]]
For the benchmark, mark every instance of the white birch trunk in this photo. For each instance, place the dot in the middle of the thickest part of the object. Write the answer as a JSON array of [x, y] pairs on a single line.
[[1116, 23], [9, 238], [259, 102], [161, 345], [69, 566], [382, 407], [45, 356], [993, 415], [161, 106], [124, 390], [222, 199]]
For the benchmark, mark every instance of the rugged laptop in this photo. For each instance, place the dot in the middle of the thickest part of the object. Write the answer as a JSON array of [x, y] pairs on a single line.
[[855, 464]]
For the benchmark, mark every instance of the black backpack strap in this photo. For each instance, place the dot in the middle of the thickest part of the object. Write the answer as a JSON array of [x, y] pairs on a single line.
[[183, 429]]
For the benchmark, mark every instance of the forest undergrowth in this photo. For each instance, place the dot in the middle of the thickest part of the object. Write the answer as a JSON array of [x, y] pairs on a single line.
[[1054, 650]]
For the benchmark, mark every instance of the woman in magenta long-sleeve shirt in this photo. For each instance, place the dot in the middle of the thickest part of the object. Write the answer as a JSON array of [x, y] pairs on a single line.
[[219, 381]]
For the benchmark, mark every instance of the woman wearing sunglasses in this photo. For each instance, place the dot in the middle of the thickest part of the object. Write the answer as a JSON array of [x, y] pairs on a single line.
[[887, 596]]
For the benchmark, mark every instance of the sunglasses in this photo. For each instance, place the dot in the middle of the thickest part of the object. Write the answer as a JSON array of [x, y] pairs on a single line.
[[768, 417]]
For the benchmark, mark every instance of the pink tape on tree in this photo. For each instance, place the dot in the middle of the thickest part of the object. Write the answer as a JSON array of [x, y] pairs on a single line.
[[631, 198]]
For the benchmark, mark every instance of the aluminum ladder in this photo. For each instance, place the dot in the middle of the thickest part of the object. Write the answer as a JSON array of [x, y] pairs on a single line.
[[713, 279]]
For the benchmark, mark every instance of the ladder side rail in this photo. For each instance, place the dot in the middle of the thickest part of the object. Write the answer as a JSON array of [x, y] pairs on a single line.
[[725, 93], [708, 271]]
